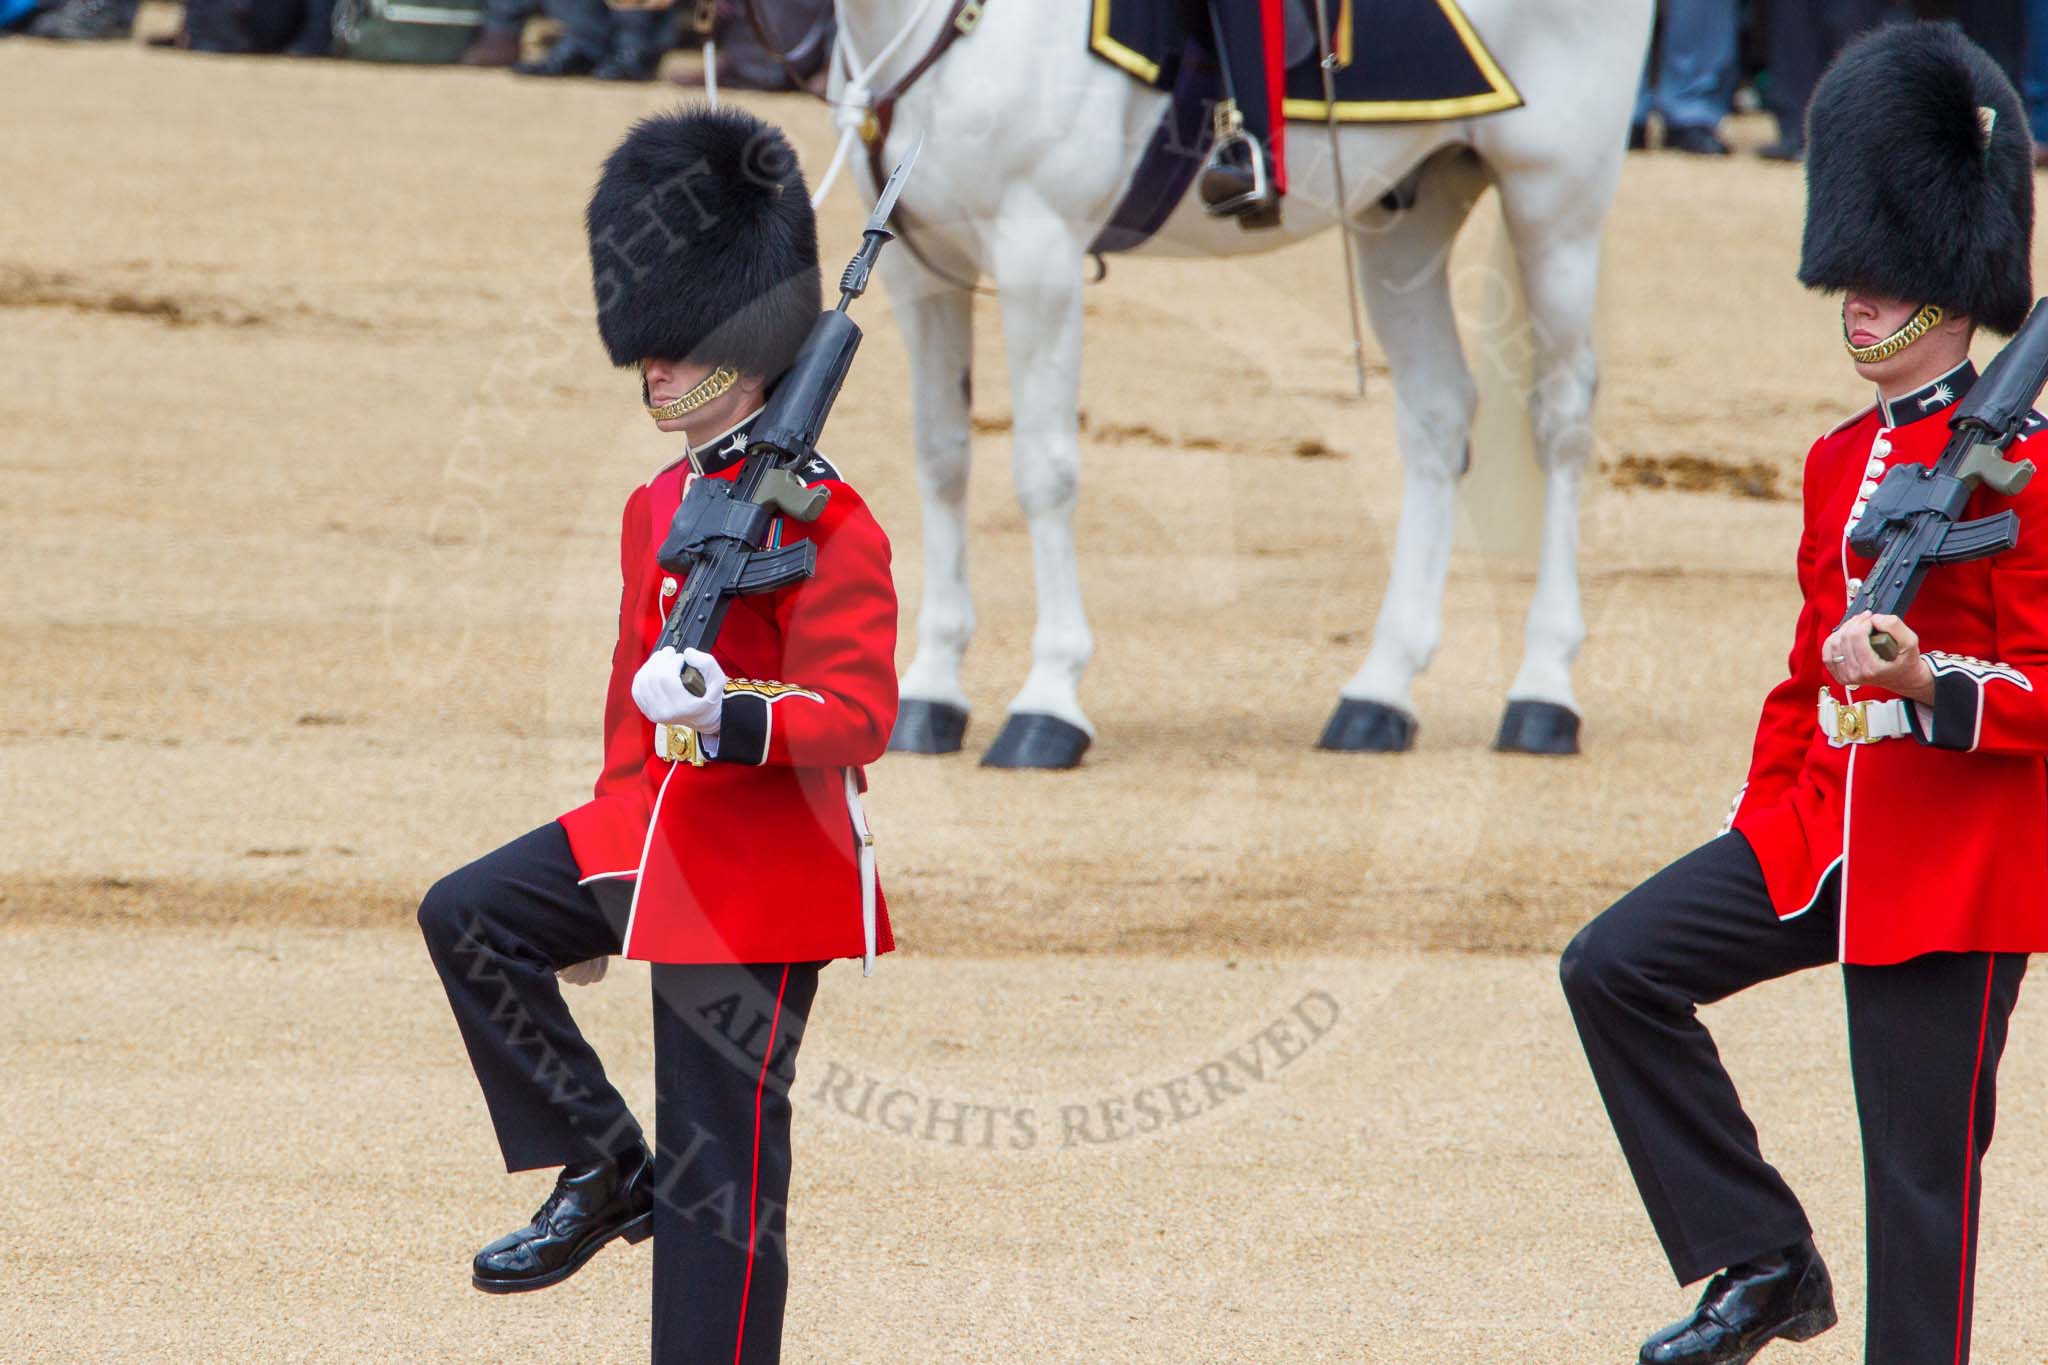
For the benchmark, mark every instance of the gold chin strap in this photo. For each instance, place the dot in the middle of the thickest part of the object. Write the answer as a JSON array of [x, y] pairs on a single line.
[[715, 385], [1916, 327]]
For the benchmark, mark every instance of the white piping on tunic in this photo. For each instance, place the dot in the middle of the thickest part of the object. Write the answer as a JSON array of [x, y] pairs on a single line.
[[1842, 919], [608, 876], [1814, 899], [653, 821], [864, 844]]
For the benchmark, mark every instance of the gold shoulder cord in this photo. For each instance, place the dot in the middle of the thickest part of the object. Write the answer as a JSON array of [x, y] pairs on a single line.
[[1914, 329], [715, 384]]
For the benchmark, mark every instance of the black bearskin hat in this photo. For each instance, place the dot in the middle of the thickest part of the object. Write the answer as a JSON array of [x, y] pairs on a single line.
[[1920, 176], [703, 246]]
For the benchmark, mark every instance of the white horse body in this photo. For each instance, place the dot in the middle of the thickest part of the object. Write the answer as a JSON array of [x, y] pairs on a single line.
[[1030, 143]]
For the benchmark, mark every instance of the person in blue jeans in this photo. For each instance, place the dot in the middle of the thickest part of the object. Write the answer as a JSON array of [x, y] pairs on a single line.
[[1688, 76]]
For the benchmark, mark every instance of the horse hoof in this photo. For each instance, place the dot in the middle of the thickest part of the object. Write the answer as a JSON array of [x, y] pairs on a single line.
[[1036, 741], [1368, 727], [1538, 727], [928, 727]]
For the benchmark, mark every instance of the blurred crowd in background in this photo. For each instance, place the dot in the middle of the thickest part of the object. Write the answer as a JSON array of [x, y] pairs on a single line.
[[768, 45], [1707, 58]]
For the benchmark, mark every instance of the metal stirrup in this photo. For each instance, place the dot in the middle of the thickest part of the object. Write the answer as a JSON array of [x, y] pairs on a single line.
[[1230, 133]]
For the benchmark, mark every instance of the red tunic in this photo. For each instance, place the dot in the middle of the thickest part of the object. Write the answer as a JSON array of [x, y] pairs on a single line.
[[752, 857], [1942, 836]]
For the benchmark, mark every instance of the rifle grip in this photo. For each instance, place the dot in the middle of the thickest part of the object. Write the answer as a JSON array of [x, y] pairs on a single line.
[[693, 680], [1883, 646]]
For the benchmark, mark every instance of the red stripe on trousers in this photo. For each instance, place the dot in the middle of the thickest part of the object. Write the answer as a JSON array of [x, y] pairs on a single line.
[[1276, 88], [754, 1195], [1970, 1156]]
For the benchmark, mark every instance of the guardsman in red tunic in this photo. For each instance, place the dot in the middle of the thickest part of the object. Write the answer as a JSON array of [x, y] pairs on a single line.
[[1896, 814], [725, 842]]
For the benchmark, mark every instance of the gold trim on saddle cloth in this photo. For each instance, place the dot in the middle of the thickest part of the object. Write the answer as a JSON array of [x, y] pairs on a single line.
[[1500, 93]]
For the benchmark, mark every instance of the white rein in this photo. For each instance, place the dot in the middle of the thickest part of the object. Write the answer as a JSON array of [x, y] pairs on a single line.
[[850, 113]]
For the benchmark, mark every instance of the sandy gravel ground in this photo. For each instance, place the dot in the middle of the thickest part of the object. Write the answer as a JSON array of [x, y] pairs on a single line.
[[263, 1144], [312, 470]]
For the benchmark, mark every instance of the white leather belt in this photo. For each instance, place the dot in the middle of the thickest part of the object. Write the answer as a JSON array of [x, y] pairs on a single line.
[[1866, 722]]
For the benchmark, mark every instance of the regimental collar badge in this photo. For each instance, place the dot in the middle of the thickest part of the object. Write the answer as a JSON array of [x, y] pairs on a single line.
[[726, 449], [1929, 399]]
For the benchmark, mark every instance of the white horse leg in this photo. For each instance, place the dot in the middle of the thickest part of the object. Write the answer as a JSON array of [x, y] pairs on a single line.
[[1037, 265], [938, 330], [1555, 227], [1404, 258]]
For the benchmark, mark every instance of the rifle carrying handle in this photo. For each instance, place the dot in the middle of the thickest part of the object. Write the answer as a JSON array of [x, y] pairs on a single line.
[[693, 680], [1882, 645]]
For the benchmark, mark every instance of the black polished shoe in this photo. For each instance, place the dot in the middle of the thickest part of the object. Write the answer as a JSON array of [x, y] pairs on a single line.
[[1639, 137], [1784, 149], [563, 59], [1748, 1306], [1696, 138], [592, 1204], [628, 62]]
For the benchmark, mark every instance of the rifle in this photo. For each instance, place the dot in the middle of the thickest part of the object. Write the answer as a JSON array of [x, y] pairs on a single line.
[[1910, 524], [714, 545]]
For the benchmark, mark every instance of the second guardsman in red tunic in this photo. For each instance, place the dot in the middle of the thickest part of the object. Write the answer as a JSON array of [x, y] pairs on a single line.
[[724, 842], [1896, 814]]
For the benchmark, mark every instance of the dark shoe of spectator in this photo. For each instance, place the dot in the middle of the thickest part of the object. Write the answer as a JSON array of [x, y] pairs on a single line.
[[1639, 137], [1784, 149], [563, 59], [1695, 138], [85, 20], [629, 62], [2041, 155], [493, 47], [315, 34]]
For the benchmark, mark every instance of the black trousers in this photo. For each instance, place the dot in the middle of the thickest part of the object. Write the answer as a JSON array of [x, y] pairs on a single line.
[[725, 1045], [1924, 1042]]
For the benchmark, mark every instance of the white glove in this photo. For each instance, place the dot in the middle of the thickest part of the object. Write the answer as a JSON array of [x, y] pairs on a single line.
[[659, 692], [584, 973]]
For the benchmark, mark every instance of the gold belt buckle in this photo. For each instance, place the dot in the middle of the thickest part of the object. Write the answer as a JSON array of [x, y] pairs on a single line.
[[678, 744], [1852, 722]]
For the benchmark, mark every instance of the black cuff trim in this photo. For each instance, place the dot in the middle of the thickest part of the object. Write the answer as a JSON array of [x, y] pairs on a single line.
[[1957, 697], [743, 730]]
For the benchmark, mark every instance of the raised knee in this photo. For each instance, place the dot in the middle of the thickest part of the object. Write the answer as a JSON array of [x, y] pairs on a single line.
[[446, 911], [1587, 968]]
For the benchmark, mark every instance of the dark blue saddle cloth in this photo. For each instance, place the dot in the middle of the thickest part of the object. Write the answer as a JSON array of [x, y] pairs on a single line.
[[1415, 61], [1399, 61]]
